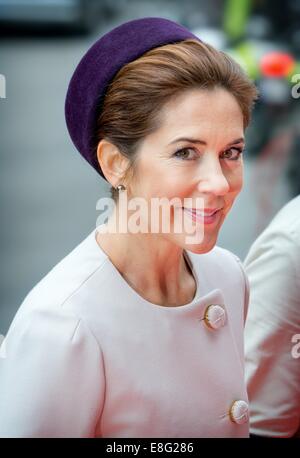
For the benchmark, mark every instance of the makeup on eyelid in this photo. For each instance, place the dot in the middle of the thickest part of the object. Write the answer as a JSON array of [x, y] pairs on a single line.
[[238, 150]]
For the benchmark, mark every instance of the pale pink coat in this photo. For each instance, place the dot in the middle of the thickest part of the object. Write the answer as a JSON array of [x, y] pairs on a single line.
[[86, 356]]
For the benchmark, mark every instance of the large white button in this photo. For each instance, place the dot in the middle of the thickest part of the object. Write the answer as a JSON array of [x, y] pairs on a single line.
[[215, 316], [239, 412]]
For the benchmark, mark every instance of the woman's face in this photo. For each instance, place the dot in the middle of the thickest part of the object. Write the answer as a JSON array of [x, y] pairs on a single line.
[[210, 167]]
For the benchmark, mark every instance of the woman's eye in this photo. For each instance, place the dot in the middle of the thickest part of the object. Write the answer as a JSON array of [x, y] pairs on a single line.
[[189, 154], [233, 154], [184, 153]]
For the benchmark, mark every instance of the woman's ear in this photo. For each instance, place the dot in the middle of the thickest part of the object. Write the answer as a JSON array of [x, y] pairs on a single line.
[[112, 162]]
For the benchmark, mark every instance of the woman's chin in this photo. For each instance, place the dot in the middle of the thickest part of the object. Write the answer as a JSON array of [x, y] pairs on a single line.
[[199, 245], [201, 248]]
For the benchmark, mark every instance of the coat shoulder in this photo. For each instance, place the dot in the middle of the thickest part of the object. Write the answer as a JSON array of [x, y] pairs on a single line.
[[220, 268]]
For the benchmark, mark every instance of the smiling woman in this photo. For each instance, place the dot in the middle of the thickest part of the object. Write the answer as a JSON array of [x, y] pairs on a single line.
[[131, 112], [140, 333], [209, 125]]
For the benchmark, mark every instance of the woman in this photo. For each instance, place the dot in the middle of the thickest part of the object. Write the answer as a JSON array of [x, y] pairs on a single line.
[[139, 333]]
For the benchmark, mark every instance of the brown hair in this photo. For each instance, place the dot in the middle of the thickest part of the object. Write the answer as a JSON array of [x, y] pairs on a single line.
[[134, 99]]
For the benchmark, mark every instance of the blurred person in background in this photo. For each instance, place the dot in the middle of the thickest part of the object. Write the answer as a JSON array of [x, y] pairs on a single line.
[[272, 331]]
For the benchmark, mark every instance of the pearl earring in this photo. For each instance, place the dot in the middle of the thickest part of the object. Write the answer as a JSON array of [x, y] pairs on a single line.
[[120, 187]]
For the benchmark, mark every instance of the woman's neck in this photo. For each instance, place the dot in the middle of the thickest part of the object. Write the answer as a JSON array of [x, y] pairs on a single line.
[[153, 266]]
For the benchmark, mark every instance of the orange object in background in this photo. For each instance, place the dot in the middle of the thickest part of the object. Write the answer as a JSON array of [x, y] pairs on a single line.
[[277, 64]]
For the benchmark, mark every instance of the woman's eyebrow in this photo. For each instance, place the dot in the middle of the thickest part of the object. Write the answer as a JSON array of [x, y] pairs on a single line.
[[202, 142]]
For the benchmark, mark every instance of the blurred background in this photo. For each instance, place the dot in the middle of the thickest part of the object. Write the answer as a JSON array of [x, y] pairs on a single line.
[[49, 193]]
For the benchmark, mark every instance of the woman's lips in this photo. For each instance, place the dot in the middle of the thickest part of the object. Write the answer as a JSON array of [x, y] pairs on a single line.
[[204, 212], [208, 216]]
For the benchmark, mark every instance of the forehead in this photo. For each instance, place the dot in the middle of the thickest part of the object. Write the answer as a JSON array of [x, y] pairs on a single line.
[[214, 111]]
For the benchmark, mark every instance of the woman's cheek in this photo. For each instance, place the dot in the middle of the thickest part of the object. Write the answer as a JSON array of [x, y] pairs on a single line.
[[236, 178], [170, 188]]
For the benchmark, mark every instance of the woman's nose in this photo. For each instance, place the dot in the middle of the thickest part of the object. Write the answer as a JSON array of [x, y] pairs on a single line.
[[212, 179]]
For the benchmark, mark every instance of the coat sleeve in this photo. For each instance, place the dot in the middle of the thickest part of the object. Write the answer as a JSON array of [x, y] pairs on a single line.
[[272, 371], [51, 377], [246, 287]]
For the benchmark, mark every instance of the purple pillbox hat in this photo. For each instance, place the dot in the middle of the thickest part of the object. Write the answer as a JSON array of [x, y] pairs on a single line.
[[98, 67]]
